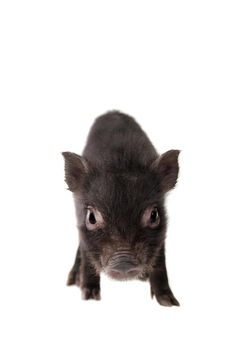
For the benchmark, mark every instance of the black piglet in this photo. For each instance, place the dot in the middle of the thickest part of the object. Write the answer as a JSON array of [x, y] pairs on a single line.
[[119, 186]]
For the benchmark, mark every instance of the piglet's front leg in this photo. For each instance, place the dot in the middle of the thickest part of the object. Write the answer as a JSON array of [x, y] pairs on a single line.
[[84, 275], [89, 279], [159, 283]]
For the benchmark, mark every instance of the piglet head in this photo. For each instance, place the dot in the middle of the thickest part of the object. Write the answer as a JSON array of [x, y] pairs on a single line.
[[121, 214]]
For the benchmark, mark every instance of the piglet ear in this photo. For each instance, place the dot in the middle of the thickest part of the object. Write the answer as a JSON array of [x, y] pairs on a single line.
[[167, 168], [75, 170]]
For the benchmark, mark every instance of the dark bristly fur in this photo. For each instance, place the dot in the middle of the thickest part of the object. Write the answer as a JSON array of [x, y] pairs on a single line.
[[122, 178]]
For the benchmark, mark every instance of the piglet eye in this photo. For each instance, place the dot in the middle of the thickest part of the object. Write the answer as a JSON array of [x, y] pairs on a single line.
[[151, 218], [91, 218], [154, 216], [94, 219]]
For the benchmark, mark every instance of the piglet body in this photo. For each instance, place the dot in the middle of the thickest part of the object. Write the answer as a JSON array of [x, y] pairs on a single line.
[[119, 186]]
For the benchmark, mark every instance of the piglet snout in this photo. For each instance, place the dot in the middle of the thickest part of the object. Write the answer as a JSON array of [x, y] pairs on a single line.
[[123, 265]]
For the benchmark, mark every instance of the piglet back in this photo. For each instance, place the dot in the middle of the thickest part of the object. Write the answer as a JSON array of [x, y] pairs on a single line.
[[116, 142]]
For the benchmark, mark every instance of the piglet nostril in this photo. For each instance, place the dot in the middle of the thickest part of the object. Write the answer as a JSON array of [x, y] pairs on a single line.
[[134, 272], [116, 274]]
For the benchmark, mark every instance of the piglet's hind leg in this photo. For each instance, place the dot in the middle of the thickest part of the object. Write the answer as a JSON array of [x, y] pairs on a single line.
[[74, 274]]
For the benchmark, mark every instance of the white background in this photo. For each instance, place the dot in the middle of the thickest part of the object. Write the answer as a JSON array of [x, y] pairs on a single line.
[[167, 63]]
